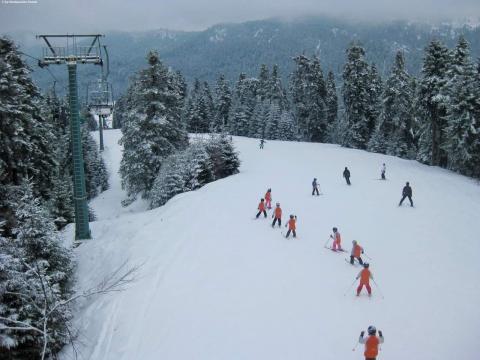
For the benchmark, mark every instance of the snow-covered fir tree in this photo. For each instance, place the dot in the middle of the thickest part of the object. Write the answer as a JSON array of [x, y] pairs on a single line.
[[152, 129], [264, 83], [331, 102], [35, 281], [356, 98], [96, 176], [244, 101], [259, 122], [278, 94], [308, 98], [222, 104], [273, 116], [286, 127], [433, 102], [462, 140], [394, 131]]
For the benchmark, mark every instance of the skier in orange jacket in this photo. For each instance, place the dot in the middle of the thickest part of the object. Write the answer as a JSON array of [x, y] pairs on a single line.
[[277, 216], [261, 208], [356, 253], [268, 199], [364, 275], [371, 342], [337, 239], [292, 226]]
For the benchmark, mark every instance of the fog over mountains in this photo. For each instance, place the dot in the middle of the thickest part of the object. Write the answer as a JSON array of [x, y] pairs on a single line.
[[234, 48]]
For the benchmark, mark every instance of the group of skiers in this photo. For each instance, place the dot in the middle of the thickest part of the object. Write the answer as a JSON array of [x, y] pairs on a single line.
[[266, 203]]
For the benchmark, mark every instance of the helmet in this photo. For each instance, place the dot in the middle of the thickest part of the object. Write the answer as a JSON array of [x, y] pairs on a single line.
[[314, 178], [269, 190], [334, 229], [354, 241], [291, 216], [372, 330], [262, 199], [408, 183], [366, 265], [278, 204]]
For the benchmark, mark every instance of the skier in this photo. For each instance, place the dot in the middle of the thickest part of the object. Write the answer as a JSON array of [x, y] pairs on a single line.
[[336, 240], [262, 141], [383, 170], [268, 199], [277, 215], [356, 253], [261, 208], [364, 275], [346, 175], [315, 187], [371, 342], [406, 192], [292, 226]]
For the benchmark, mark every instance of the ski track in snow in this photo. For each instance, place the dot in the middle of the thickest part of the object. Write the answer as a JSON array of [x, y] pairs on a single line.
[[216, 285]]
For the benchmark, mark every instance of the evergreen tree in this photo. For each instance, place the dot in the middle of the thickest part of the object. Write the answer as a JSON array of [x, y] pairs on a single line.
[[264, 84], [273, 121], [96, 176], [244, 102], [331, 102], [278, 93], [433, 100], [152, 129], [463, 119], [393, 133], [222, 104], [356, 98], [259, 122], [286, 127]]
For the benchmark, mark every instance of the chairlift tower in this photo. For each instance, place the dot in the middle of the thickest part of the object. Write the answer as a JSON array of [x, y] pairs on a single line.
[[100, 102], [71, 54]]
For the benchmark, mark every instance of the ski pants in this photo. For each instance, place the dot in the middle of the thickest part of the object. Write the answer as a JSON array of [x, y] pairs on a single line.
[[360, 287], [370, 358], [352, 259], [279, 222], [264, 213], [336, 245], [288, 233], [268, 203], [315, 190], [383, 175], [404, 197], [348, 180]]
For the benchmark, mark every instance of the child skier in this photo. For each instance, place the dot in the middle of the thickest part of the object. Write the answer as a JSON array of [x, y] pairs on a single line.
[[315, 187], [292, 226], [371, 342], [382, 171], [277, 216], [346, 175], [268, 199], [261, 208], [336, 240], [261, 143], [364, 275], [356, 253]]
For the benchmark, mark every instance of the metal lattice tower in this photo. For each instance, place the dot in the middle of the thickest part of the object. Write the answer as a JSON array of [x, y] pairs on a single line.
[[72, 54]]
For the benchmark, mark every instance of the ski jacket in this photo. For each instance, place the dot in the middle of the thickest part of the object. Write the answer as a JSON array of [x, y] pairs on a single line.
[[268, 195], [336, 237], [261, 206], [356, 251], [365, 275], [407, 191], [371, 345], [278, 213], [292, 224], [314, 183], [346, 173]]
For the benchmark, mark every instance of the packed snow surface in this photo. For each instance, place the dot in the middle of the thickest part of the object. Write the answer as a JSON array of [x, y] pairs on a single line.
[[217, 284]]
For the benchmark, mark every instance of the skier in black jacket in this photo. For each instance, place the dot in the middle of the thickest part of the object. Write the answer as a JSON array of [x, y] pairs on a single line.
[[346, 175], [406, 192]]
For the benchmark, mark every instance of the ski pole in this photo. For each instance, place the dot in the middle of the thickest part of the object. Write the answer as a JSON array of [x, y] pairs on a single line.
[[355, 347], [379, 290], [326, 242], [367, 256], [354, 281]]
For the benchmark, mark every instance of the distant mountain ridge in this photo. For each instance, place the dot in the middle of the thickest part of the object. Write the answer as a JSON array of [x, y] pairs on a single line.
[[235, 48]]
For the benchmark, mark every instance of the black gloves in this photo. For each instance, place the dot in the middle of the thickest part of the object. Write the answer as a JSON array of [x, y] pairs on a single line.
[[380, 333], [362, 333]]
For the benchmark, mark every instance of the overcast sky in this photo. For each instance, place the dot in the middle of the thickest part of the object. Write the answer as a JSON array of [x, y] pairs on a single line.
[[102, 15]]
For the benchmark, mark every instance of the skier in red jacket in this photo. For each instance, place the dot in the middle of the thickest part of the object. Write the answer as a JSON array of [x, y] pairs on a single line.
[[371, 342], [261, 208]]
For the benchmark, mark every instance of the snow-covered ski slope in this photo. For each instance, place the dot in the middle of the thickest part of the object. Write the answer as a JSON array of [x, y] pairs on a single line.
[[217, 284]]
